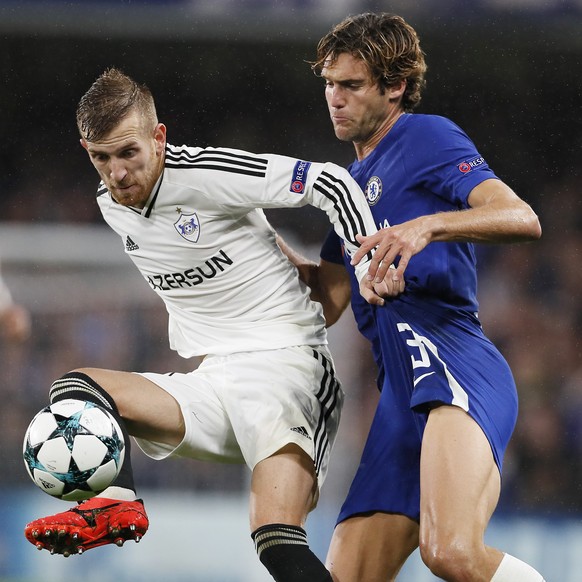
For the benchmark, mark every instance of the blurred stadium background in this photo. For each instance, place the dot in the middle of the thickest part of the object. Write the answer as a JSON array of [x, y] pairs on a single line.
[[234, 73]]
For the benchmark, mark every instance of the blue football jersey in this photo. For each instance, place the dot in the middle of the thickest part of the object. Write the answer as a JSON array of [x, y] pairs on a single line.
[[411, 174], [427, 342]]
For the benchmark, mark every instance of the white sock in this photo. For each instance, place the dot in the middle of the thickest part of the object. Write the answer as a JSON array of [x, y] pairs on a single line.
[[513, 570], [120, 493]]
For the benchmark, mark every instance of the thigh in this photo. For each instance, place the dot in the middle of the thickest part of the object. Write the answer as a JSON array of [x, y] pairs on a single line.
[[372, 547], [460, 481], [148, 411], [388, 477], [442, 357], [205, 423]]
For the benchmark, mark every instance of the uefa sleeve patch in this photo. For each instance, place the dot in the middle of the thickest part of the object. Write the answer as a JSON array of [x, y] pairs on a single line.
[[467, 166], [299, 178]]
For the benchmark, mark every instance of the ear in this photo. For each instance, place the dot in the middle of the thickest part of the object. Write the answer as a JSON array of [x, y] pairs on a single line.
[[160, 138], [396, 92]]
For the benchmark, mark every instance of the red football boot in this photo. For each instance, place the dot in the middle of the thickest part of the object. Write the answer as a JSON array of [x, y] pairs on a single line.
[[95, 522]]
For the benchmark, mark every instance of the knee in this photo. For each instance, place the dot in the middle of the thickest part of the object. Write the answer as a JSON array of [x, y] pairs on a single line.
[[448, 557], [82, 384], [105, 380]]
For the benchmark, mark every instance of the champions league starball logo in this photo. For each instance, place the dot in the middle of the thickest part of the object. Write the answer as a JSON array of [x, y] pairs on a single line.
[[373, 190], [188, 227]]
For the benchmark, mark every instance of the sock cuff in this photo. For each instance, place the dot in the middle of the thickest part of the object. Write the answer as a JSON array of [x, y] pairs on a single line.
[[511, 569], [81, 386], [278, 534]]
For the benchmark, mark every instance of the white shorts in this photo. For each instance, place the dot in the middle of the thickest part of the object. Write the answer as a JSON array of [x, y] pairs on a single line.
[[244, 407]]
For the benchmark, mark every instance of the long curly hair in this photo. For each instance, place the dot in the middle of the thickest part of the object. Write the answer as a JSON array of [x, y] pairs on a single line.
[[386, 43]]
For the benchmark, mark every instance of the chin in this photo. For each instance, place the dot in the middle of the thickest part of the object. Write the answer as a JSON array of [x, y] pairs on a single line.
[[343, 135]]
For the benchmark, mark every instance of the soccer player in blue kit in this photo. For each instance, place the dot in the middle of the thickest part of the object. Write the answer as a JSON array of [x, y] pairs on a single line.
[[429, 476]]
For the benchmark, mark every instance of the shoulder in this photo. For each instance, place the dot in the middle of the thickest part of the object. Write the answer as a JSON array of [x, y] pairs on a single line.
[[432, 133], [421, 123], [180, 156], [215, 159]]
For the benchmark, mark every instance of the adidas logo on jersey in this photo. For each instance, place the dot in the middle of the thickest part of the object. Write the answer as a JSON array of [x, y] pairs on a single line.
[[130, 245], [301, 430]]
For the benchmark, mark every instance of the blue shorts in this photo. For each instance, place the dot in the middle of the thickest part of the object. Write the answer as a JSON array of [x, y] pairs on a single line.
[[430, 357]]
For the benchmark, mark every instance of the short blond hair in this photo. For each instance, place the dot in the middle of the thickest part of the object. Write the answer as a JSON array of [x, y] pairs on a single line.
[[109, 100]]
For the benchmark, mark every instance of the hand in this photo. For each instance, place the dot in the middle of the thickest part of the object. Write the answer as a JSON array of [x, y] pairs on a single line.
[[389, 287], [404, 240], [374, 292], [368, 292]]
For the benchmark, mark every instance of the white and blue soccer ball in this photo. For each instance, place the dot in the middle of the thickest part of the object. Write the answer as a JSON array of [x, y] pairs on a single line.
[[73, 449]]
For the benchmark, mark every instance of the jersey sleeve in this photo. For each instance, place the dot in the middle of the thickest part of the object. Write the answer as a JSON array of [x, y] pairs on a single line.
[[450, 171], [275, 181]]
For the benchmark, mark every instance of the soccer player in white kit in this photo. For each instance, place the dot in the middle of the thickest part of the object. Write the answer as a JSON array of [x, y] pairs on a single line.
[[266, 392]]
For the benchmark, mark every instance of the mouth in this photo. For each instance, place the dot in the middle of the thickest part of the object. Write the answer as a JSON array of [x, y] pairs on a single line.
[[339, 119], [123, 189]]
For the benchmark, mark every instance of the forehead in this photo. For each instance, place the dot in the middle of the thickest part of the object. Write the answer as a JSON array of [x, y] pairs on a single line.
[[345, 66], [129, 130]]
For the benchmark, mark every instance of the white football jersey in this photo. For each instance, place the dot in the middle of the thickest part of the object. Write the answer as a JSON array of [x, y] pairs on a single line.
[[204, 245]]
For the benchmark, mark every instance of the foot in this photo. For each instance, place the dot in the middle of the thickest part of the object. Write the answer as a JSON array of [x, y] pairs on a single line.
[[95, 522]]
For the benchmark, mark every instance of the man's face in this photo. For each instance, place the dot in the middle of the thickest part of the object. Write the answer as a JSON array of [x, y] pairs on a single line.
[[129, 159], [357, 108]]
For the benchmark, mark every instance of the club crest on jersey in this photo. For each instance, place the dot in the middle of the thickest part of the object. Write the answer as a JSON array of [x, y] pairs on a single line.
[[299, 178], [373, 190], [188, 226]]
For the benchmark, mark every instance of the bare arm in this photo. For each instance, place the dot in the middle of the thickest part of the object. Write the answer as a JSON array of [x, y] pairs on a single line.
[[334, 290], [329, 282], [497, 215]]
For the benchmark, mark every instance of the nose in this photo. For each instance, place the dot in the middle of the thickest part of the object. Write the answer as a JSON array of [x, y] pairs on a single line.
[[335, 97], [117, 170]]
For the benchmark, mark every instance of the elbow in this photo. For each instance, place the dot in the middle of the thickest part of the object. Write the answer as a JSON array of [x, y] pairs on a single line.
[[533, 227], [331, 314], [527, 225]]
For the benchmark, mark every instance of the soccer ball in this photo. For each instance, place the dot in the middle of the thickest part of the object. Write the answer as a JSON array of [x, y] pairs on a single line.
[[73, 449]]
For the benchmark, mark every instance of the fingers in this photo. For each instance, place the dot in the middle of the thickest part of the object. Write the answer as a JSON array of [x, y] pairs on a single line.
[[385, 270], [374, 292], [367, 243], [369, 294], [398, 274], [389, 288]]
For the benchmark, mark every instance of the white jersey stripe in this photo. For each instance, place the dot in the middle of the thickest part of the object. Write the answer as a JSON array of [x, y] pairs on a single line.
[[218, 160], [338, 192]]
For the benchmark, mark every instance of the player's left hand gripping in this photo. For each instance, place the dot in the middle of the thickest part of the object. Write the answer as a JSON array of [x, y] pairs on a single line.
[[374, 292]]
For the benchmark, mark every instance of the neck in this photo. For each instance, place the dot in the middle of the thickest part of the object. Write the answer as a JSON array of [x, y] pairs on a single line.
[[365, 148]]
